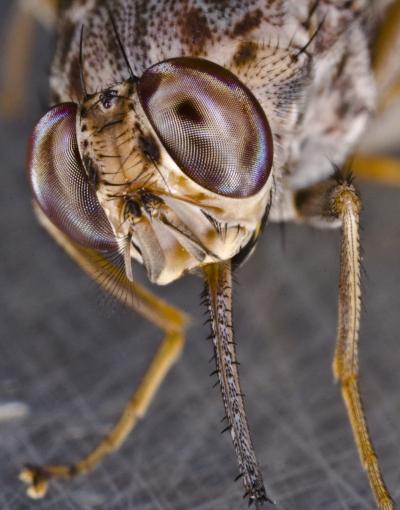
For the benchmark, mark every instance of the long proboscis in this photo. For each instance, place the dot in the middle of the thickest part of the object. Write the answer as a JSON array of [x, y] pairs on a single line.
[[218, 279]]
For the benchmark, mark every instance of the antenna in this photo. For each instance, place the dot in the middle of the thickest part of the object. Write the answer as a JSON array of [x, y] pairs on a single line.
[[82, 78]]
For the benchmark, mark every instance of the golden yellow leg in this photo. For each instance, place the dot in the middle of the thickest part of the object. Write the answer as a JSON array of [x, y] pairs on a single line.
[[37, 477], [346, 205], [16, 55], [325, 201], [379, 169], [386, 49], [170, 319], [17, 51]]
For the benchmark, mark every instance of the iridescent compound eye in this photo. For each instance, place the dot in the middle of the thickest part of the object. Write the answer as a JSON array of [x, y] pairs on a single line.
[[60, 184], [210, 124]]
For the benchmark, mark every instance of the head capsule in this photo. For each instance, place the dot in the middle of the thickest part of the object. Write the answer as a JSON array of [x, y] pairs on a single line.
[[175, 164]]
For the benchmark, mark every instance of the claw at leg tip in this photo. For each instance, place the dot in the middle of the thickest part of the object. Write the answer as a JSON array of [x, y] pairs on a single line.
[[37, 487], [26, 476]]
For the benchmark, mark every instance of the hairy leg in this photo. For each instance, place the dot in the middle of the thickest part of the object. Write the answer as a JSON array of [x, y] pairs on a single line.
[[339, 201], [218, 279], [17, 50]]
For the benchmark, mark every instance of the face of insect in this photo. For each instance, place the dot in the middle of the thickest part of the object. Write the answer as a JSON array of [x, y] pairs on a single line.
[[170, 169]]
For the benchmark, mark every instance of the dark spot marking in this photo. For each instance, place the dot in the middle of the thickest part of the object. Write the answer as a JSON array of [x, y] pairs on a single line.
[[133, 208], [149, 147], [195, 29], [91, 171], [187, 110], [248, 23], [246, 52], [341, 67]]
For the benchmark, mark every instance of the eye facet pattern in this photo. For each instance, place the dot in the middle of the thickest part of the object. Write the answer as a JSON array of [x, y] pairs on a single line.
[[60, 184], [210, 124]]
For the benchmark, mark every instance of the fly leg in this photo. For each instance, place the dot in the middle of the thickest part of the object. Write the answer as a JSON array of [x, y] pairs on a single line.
[[385, 62], [169, 319], [17, 50], [338, 201], [386, 68], [377, 168]]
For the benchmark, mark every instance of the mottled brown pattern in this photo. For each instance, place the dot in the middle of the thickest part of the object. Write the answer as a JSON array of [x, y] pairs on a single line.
[[250, 21], [195, 30], [246, 52], [154, 30], [151, 30]]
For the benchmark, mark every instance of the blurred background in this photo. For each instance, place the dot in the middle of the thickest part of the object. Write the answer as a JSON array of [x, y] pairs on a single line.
[[69, 359]]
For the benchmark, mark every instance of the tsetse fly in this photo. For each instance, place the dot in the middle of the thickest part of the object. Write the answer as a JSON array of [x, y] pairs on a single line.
[[177, 131]]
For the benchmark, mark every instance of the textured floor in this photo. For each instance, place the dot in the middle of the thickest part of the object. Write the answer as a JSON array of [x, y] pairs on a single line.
[[67, 364]]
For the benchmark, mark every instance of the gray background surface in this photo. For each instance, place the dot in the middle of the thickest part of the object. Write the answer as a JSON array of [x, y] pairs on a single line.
[[71, 363]]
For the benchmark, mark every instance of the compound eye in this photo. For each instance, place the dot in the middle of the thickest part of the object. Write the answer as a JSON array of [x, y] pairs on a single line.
[[60, 184], [210, 124]]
